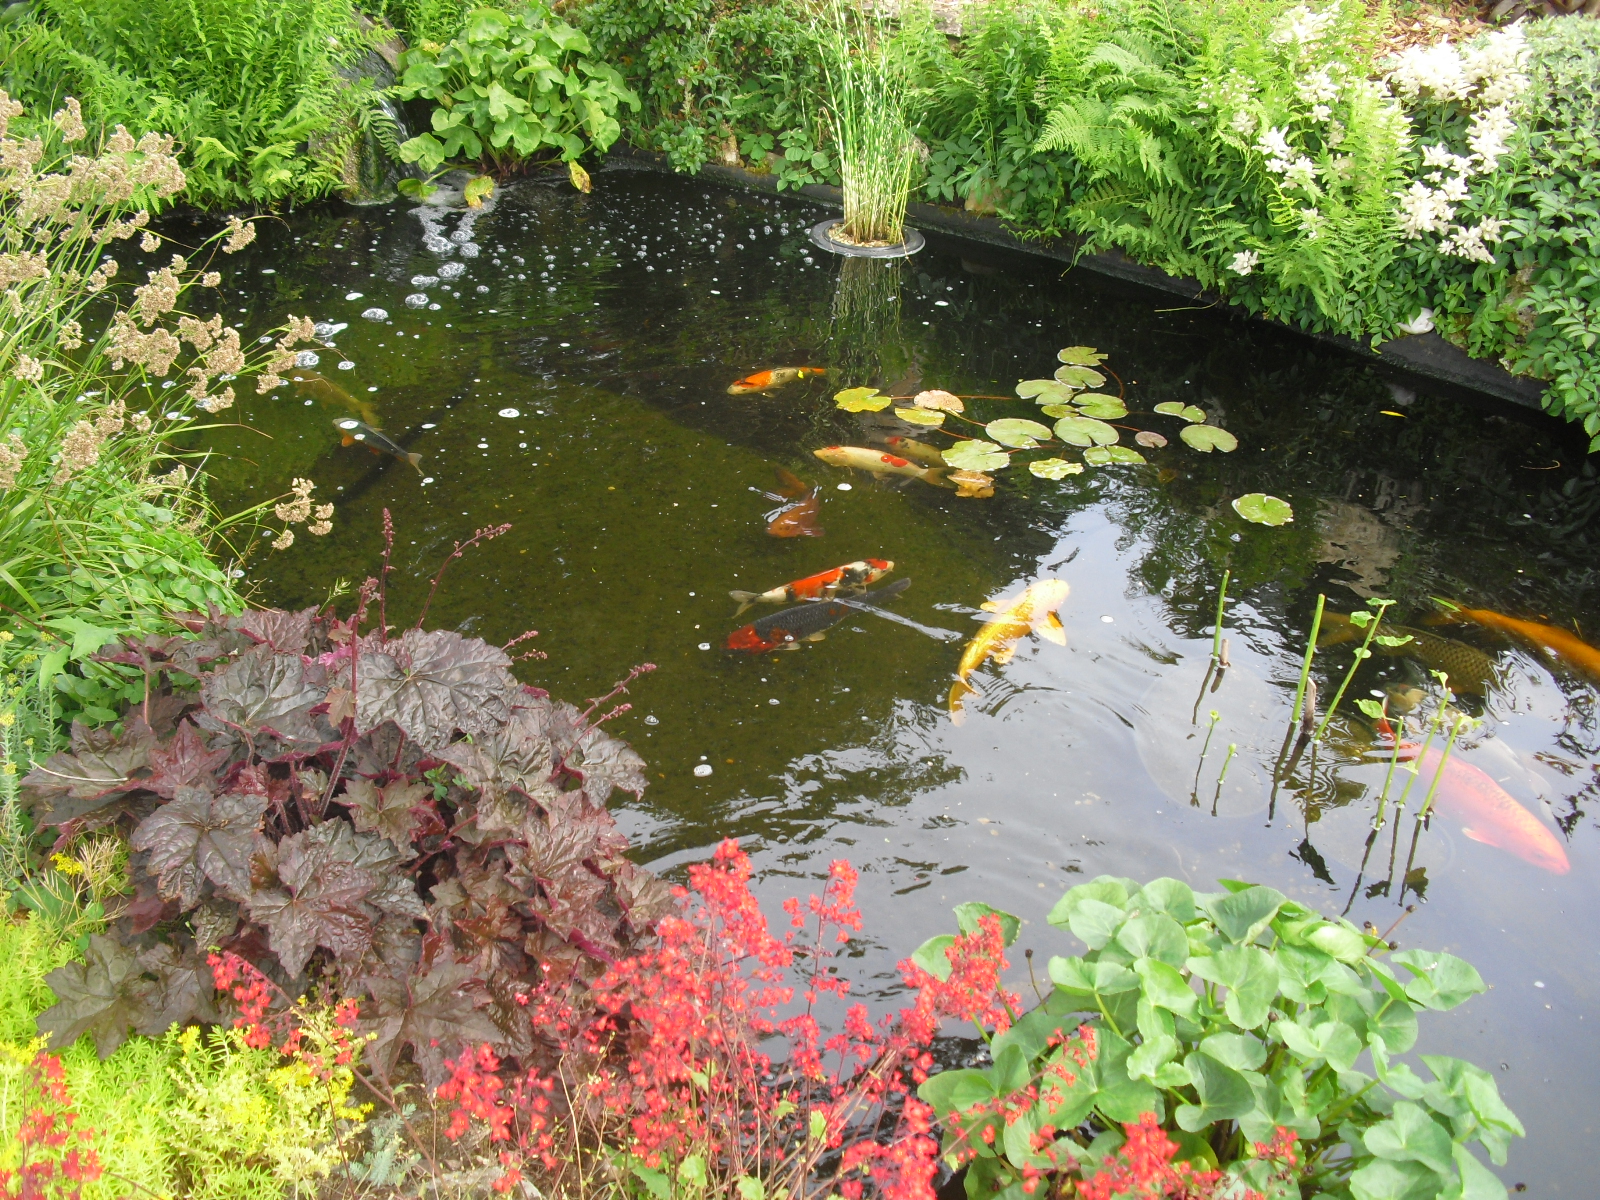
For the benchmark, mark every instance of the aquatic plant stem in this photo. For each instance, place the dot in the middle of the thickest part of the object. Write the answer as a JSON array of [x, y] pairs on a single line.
[[1361, 655], [1222, 598], [1305, 663], [1456, 728]]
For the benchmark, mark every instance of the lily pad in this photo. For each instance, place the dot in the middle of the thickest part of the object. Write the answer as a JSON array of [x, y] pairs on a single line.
[[1059, 410], [946, 401], [1082, 356], [1263, 509], [1150, 438], [1085, 431], [1079, 377], [920, 416], [861, 399], [974, 484], [1189, 412], [975, 454], [1101, 456], [1045, 391], [1011, 431], [1055, 468], [1207, 438], [1107, 408]]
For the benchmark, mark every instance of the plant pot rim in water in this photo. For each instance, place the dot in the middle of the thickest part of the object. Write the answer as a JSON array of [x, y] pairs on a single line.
[[821, 235]]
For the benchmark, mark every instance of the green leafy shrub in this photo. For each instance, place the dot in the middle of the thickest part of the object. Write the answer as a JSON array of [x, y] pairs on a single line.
[[512, 87], [1228, 1016]]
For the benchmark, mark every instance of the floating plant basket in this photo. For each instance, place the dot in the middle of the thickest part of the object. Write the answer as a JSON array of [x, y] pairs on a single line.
[[821, 235]]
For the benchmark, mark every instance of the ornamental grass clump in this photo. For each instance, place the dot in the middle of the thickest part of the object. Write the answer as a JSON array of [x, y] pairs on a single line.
[[868, 93]]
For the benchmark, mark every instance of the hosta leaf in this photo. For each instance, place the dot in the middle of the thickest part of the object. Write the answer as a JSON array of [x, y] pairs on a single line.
[[386, 811], [920, 416], [1207, 438], [1085, 431], [939, 400], [1082, 356], [1107, 408], [1045, 391], [861, 399], [977, 455], [1150, 439], [433, 684], [318, 902], [1100, 456], [198, 836], [1177, 408], [1011, 431], [1055, 468], [1260, 508], [1079, 377], [436, 1014], [102, 995]]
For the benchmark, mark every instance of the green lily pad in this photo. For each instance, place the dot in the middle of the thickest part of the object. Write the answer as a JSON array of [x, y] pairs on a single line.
[[1079, 377], [975, 454], [1045, 391], [1150, 438], [1101, 456], [1011, 431], [1263, 509], [1055, 468], [1207, 438], [1058, 410], [1082, 356], [1107, 408], [1085, 431], [920, 416], [861, 399], [1189, 412]]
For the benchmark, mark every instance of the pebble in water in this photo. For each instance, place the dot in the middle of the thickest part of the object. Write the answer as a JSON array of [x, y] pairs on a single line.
[[424, 281], [307, 358], [417, 300], [376, 314]]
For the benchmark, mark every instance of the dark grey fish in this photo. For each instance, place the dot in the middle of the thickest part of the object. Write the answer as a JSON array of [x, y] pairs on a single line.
[[376, 440]]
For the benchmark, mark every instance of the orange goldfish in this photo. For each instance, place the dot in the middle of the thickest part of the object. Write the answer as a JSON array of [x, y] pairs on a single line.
[[798, 518], [1568, 647], [1033, 610], [879, 463], [822, 586], [766, 381]]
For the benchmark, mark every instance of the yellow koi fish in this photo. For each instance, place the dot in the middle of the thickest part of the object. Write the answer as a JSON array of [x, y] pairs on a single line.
[[879, 463], [1033, 611]]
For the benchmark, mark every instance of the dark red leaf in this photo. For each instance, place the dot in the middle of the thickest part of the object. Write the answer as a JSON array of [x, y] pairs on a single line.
[[103, 996], [432, 685], [86, 783], [198, 836], [183, 762], [285, 632], [385, 810], [263, 692], [436, 1014], [183, 990], [318, 898]]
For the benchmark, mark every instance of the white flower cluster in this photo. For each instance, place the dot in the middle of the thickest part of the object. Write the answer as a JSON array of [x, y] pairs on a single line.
[[1244, 262], [1282, 159], [1301, 28], [1490, 72]]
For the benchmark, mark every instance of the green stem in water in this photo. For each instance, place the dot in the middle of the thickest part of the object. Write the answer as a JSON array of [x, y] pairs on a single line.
[[1305, 664], [1222, 598], [1362, 654]]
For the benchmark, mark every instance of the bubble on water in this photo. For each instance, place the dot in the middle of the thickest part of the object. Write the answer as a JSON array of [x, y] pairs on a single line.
[[352, 295], [510, 412], [424, 281], [652, 719], [701, 770], [307, 358], [482, 289], [705, 645], [346, 365], [327, 329], [268, 271], [433, 307], [429, 425], [417, 300], [844, 487], [773, 701], [452, 270], [461, 235], [174, 416], [434, 244], [427, 479], [348, 423], [469, 250], [263, 340]]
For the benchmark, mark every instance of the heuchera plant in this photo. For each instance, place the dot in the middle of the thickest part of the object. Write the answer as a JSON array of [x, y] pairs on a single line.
[[390, 818], [1234, 1022]]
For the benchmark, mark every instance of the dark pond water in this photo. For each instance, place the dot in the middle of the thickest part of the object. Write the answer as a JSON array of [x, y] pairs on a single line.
[[571, 380]]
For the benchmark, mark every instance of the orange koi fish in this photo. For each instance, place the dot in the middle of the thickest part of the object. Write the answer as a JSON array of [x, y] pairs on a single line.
[[766, 381], [879, 463], [1568, 647], [822, 586], [807, 623], [798, 518], [1032, 611]]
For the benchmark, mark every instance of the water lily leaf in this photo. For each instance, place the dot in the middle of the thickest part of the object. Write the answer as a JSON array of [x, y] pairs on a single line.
[[1058, 410], [1042, 389], [1150, 438], [940, 400], [861, 399], [1011, 431], [1177, 408], [1082, 356], [1101, 456], [975, 454], [1207, 438], [1055, 468], [1107, 408], [920, 416], [1262, 509], [1085, 431], [479, 188], [973, 484], [1079, 377]]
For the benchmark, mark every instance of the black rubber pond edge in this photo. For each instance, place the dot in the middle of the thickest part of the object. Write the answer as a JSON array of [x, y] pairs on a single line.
[[1426, 356]]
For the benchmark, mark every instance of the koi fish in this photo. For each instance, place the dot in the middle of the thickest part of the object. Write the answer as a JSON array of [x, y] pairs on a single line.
[[308, 383], [879, 463], [766, 381], [806, 623], [376, 440], [822, 586], [799, 517], [1485, 810], [1568, 647], [1034, 610], [1470, 670], [917, 452]]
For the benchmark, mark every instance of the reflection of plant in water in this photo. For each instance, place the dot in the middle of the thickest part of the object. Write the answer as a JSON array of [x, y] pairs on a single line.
[[864, 339]]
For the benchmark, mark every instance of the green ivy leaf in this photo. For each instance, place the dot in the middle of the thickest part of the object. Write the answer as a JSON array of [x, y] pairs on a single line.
[[1188, 412], [861, 399], [1054, 468], [975, 454], [1207, 438], [1101, 456], [1011, 431], [1085, 431], [1258, 507]]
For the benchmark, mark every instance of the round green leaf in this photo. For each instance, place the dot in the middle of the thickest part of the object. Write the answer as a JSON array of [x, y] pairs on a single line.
[[1058, 410], [1082, 356], [1207, 438], [1177, 408], [1101, 456], [1044, 390], [1107, 408], [1150, 438], [1085, 431], [1055, 468], [1260, 507], [975, 454], [861, 399], [1079, 377], [920, 416], [1012, 431]]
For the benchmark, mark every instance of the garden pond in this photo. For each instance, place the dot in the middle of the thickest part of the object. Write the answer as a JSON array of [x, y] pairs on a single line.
[[563, 366]]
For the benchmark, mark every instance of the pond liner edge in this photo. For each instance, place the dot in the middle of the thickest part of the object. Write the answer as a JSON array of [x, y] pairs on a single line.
[[1426, 356]]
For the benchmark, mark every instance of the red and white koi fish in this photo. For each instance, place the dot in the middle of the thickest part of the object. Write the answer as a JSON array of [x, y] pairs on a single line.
[[766, 381], [806, 623], [822, 586]]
